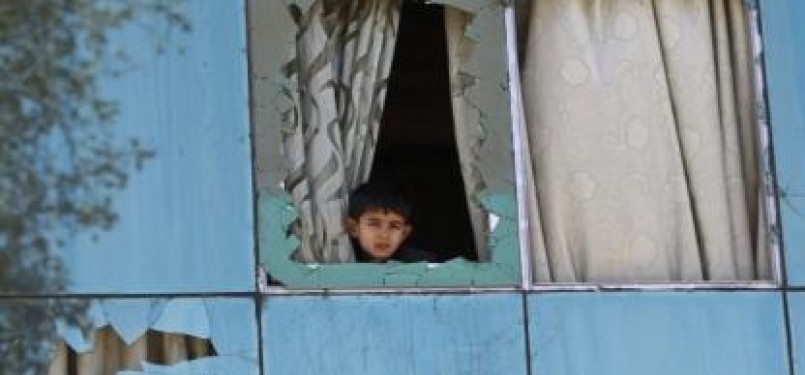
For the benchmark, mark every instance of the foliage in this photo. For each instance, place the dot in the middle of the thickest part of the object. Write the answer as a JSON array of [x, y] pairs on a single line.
[[59, 165]]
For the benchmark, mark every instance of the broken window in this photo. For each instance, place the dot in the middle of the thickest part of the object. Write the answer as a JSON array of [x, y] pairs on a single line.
[[146, 336], [320, 73]]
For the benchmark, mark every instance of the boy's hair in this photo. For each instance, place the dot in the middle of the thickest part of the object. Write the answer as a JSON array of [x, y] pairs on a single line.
[[378, 196]]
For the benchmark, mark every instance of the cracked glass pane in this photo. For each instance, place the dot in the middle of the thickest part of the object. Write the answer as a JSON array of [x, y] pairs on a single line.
[[134, 336]]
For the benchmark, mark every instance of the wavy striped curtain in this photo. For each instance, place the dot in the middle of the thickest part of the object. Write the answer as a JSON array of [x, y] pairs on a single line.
[[642, 132], [341, 63]]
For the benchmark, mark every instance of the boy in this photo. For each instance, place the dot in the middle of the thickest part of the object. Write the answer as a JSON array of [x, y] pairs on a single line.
[[379, 222]]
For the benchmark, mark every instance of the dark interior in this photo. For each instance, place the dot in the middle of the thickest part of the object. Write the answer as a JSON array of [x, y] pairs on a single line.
[[416, 147]]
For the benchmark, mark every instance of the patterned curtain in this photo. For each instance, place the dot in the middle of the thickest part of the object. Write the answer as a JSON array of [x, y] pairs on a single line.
[[642, 133], [467, 120], [340, 64]]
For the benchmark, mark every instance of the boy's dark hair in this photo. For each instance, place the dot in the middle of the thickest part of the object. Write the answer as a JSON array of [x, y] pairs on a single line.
[[378, 196]]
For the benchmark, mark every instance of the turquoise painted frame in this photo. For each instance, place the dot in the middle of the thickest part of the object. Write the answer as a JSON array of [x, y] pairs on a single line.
[[271, 32]]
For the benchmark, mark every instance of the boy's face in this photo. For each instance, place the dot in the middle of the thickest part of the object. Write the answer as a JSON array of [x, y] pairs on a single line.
[[379, 232]]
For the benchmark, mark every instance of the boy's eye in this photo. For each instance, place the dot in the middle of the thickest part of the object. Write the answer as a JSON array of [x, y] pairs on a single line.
[[395, 226]]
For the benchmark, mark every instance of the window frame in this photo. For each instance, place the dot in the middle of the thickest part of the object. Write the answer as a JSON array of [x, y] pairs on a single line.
[[275, 211]]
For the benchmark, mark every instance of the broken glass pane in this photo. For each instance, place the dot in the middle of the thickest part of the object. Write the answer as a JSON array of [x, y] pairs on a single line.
[[299, 163], [141, 336]]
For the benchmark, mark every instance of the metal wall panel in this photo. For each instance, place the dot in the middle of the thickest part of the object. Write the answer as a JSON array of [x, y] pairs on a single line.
[[394, 334], [185, 220], [796, 305], [784, 41], [658, 333]]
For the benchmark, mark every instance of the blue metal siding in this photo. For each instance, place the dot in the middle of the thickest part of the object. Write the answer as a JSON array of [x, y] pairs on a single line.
[[186, 220], [658, 333], [476, 334]]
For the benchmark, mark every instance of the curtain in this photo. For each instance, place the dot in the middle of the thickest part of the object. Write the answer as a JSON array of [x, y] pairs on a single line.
[[466, 119], [341, 63], [110, 354], [642, 142]]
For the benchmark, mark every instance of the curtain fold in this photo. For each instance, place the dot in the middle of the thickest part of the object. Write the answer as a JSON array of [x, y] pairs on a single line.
[[641, 132], [466, 120], [341, 63]]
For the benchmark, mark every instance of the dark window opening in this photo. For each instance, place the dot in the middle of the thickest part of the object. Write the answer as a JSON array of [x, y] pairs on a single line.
[[416, 145]]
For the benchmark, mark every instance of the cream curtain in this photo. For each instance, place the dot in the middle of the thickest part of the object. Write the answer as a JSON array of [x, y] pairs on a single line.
[[341, 63], [641, 131], [110, 354]]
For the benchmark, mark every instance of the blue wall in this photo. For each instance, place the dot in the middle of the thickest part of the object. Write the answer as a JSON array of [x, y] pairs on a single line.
[[577, 333], [186, 230]]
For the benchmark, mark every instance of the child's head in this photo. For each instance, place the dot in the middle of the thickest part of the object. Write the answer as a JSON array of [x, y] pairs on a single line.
[[378, 221]]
